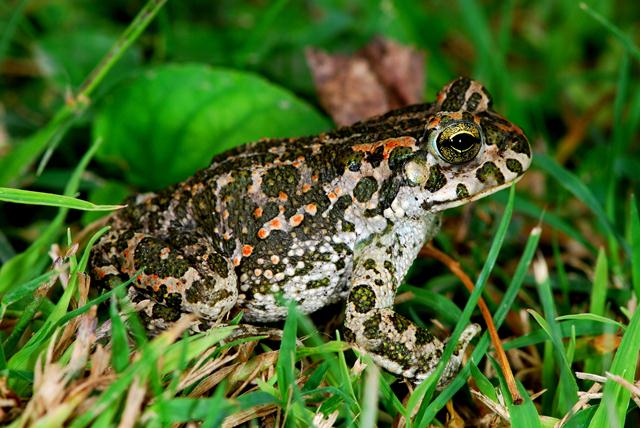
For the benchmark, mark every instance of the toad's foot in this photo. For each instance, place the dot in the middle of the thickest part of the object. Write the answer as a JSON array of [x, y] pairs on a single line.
[[401, 347]]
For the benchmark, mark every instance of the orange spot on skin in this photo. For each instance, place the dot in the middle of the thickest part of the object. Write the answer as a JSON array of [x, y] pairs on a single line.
[[275, 259], [283, 196], [311, 209], [247, 250], [281, 209], [296, 164], [337, 191], [251, 188], [296, 220], [314, 177], [263, 233], [275, 223], [332, 196], [387, 145], [306, 188], [257, 213], [225, 214], [226, 236], [236, 261]]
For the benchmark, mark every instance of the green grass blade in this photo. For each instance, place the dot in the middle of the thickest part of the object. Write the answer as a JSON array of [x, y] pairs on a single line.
[[567, 388], [19, 196], [592, 317], [390, 398], [484, 385], [26, 289], [563, 281], [24, 154], [285, 367], [598, 298], [575, 186], [523, 415], [599, 289], [119, 341], [499, 317], [370, 394], [634, 231], [626, 41], [24, 358], [615, 398], [423, 416], [21, 267]]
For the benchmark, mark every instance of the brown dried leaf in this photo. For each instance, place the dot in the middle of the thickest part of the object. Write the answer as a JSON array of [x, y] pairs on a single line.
[[400, 69], [382, 76]]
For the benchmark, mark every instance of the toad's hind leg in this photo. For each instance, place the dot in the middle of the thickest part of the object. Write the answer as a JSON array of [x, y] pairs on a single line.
[[393, 341], [179, 273]]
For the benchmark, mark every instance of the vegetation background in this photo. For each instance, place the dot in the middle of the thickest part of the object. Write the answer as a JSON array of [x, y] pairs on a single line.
[[190, 79]]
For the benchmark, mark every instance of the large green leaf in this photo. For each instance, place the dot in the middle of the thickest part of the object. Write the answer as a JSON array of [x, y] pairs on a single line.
[[169, 121]]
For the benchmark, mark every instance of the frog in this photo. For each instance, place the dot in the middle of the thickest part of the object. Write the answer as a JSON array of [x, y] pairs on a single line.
[[335, 217]]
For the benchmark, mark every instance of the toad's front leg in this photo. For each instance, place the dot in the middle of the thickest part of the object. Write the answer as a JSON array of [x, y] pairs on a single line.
[[393, 341]]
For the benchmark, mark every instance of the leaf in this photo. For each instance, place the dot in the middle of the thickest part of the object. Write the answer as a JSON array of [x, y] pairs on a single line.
[[29, 197], [171, 120]]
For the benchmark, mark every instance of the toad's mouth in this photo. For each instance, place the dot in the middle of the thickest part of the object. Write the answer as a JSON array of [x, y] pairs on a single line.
[[437, 206]]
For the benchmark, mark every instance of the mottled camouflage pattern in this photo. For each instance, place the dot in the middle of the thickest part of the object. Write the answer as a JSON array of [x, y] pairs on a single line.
[[319, 219]]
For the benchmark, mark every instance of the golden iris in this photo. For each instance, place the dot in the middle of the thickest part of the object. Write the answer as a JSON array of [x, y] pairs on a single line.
[[459, 143]]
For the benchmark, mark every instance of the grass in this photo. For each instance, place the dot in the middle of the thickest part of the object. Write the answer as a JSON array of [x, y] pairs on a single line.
[[558, 263]]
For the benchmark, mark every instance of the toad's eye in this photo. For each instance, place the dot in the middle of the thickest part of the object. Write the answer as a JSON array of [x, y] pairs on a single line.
[[459, 143]]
